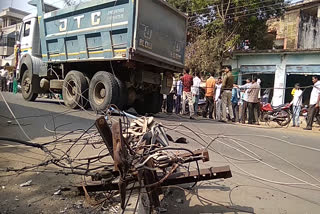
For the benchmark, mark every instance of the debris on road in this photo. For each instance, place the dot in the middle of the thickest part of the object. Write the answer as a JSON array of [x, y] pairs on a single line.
[[179, 201], [143, 163], [143, 159], [26, 184], [57, 192], [78, 204]]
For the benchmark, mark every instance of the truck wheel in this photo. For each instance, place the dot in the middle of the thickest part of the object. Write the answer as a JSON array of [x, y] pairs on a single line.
[[123, 94], [103, 91], [27, 87], [75, 89]]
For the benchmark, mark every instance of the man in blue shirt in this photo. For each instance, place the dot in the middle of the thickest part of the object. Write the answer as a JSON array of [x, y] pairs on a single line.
[[234, 100]]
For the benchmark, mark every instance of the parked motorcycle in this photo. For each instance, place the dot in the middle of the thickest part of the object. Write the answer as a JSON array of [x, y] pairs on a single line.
[[304, 112], [279, 114]]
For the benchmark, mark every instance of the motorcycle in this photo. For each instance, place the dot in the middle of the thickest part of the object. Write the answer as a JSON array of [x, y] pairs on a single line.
[[279, 114], [304, 112]]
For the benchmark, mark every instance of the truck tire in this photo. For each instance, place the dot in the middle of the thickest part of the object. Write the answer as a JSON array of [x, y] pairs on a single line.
[[123, 94], [103, 91], [27, 87], [75, 90]]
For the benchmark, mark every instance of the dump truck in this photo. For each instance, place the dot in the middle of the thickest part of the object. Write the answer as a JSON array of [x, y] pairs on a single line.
[[102, 52]]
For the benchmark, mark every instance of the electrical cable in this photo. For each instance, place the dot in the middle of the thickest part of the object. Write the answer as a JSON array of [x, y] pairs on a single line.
[[26, 143], [248, 9], [236, 7], [11, 112], [269, 165], [281, 158], [257, 177], [245, 15]]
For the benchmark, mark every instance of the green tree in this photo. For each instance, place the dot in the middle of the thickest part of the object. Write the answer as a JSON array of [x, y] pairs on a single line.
[[217, 27]]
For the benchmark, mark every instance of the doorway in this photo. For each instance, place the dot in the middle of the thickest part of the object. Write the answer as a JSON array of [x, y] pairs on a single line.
[[304, 81]]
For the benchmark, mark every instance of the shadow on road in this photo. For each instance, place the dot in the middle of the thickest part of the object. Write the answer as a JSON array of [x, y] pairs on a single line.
[[180, 201]]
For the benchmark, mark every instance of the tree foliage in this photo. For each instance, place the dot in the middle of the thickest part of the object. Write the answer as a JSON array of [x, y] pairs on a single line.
[[217, 27]]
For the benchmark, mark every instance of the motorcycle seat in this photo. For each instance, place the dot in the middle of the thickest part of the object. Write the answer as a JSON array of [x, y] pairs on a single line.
[[278, 107]]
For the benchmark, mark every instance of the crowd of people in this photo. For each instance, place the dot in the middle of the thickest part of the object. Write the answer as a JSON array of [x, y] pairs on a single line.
[[7, 80], [224, 100], [227, 101]]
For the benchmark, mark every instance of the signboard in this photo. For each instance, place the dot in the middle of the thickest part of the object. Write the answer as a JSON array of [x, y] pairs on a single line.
[[303, 69], [252, 69]]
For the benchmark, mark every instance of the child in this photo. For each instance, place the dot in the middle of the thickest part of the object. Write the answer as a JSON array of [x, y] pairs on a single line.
[[296, 102]]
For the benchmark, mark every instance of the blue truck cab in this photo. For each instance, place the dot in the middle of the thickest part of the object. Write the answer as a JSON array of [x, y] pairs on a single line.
[[103, 52]]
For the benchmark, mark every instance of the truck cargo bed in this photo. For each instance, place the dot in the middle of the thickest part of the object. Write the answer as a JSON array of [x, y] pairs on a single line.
[[141, 30]]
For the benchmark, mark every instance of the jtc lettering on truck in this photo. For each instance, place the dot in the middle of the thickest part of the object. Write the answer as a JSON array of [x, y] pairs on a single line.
[[102, 52]]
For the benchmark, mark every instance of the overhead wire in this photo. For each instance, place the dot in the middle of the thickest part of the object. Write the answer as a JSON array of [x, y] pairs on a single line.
[[261, 8], [240, 6], [245, 15]]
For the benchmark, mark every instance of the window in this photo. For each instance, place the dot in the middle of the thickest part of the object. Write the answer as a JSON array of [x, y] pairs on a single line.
[[26, 30]]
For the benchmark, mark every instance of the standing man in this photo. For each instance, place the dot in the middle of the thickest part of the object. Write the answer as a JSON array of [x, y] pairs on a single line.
[[195, 92], [179, 95], [235, 102], [314, 102], [11, 82], [245, 100], [296, 102], [253, 102], [1, 71], [170, 100], [210, 90], [4, 75], [217, 99], [227, 85], [187, 82]]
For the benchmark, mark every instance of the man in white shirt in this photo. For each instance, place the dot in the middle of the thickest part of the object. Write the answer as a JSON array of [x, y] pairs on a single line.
[[296, 102], [314, 102], [245, 97], [4, 75], [179, 95], [195, 92], [217, 100]]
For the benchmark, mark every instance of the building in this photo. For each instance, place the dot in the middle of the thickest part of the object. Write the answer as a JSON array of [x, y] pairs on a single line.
[[295, 58], [279, 70], [11, 23], [299, 28]]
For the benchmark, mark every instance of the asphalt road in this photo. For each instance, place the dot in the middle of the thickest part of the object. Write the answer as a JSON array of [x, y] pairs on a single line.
[[275, 170]]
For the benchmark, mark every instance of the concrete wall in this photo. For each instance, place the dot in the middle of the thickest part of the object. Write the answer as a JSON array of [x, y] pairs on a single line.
[[298, 28], [309, 33], [286, 28]]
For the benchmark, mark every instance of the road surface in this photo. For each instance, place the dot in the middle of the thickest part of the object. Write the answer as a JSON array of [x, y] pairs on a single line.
[[275, 170]]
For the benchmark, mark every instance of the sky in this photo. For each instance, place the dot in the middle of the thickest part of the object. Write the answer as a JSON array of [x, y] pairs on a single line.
[[23, 4]]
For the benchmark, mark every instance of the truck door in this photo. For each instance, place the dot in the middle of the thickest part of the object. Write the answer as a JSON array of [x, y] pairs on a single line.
[[26, 37]]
